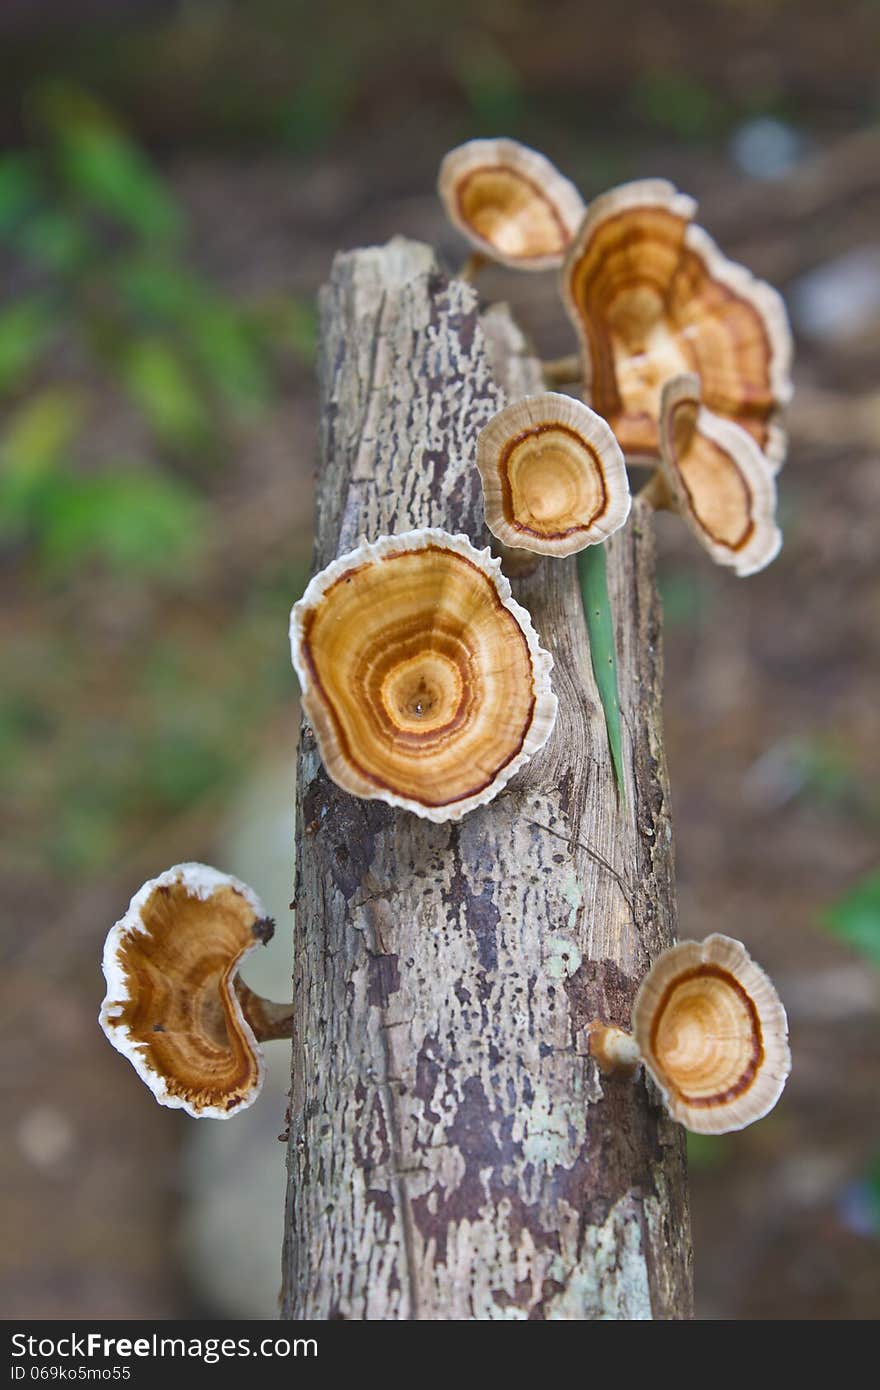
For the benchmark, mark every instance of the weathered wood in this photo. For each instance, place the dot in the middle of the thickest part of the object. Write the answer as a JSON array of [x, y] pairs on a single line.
[[454, 1153]]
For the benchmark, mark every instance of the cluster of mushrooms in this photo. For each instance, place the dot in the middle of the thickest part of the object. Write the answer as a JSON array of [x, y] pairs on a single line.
[[411, 647]]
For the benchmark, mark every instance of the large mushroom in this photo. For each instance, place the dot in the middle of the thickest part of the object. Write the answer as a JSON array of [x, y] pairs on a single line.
[[422, 677], [652, 297], [711, 1030], [554, 478], [715, 476], [510, 202], [174, 1005]]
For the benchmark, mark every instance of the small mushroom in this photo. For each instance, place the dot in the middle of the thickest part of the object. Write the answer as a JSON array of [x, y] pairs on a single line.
[[715, 476], [713, 1034], [174, 1006], [615, 1051], [510, 202], [652, 297], [422, 678], [554, 478]]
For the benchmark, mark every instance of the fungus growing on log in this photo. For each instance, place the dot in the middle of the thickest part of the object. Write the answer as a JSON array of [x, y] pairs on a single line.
[[715, 476], [174, 1006], [554, 478], [510, 202], [652, 297], [613, 1049], [422, 677], [713, 1034]]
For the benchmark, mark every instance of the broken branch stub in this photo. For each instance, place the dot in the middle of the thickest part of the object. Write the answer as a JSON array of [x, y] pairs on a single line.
[[454, 1152]]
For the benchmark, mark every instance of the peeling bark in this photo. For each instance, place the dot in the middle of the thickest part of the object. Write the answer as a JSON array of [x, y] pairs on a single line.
[[454, 1152]]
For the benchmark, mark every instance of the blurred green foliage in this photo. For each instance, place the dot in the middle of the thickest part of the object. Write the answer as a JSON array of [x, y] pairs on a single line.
[[685, 598], [144, 691], [99, 245], [491, 84], [829, 774], [679, 103], [707, 1152], [855, 919], [102, 746]]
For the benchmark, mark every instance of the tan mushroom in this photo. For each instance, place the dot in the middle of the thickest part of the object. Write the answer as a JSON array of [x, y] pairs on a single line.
[[652, 297], [715, 476], [613, 1049], [554, 479], [421, 676], [712, 1032], [510, 202], [174, 1006]]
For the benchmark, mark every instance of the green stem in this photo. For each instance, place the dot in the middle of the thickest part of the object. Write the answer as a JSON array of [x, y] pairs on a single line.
[[597, 611]]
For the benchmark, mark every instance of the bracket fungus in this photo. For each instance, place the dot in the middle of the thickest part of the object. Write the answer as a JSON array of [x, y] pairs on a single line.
[[173, 1005], [713, 1034], [652, 297], [615, 1051], [554, 477], [715, 476], [423, 679], [510, 202]]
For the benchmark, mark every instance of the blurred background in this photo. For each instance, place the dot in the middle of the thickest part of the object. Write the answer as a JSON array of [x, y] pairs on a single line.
[[175, 176]]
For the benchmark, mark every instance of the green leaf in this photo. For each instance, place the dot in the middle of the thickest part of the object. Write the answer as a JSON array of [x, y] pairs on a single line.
[[162, 387], [55, 239], [855, 917], [42, 429], [132, 521], [102, 167], [35, 441], [156, 288], [26, 327], [19, 189], [592, 571], [228, 355], [113, 176]]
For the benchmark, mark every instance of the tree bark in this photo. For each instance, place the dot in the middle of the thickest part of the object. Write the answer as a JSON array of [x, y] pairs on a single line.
[[453, 1151]]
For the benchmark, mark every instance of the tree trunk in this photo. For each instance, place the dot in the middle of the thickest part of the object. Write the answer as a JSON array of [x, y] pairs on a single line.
[[454, 1153]]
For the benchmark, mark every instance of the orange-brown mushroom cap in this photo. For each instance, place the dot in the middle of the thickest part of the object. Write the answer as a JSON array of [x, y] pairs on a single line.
[[421, 676], [554, 478], [652, 297], [720, 482], [171, 1007], [713, 1033], [511, 203]]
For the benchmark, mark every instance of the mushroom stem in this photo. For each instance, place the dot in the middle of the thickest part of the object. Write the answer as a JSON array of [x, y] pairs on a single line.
[[657, 493], [472, 266], [614, 1051], [268, 1020], [560, 371]]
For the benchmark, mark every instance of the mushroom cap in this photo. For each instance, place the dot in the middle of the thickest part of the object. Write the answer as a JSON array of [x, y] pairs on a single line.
[[713, 1033], [722, 484], [422, 677], [554, 478], [651, 297], [510, 202], [171, 1007]]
